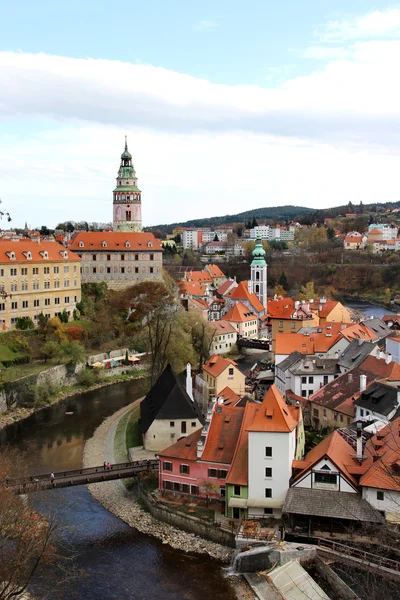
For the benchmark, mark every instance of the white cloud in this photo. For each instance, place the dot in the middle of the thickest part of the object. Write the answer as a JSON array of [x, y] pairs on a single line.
[[376, 24], [327, 52], [206, 25]]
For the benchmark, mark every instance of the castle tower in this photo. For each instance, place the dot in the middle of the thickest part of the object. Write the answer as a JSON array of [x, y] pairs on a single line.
[[127, 203], [258, 277]]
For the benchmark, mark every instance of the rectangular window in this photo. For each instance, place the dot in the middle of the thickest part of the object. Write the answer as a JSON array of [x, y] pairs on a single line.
[[222, 474], [325, 379], [56, 300], [268, 472], [185, 488], [94, 257], [1, 272], [304, 393], [35, 270], [122, 256], [47, 301], [177, 487], [311, 380], [46, 270], [212, 473], [66, 283], [13, 272], [380, 495], [47, 285], [172, 423], [268, 511], [268, 451], [136, 256], [108, 269], [56, 269], [36, 303], [184, 469], [122, 269], [183, 427], [136, 269], [316, 412], [280, 323], [194, 490], [304, 380], [14, 305], [330, 478], [94, 270], [2, 306], [167, 485], [66, 269], [57, 284], [24, 271], [268, 492], [193, 423], [167, 466], [293, 325], [151, 270], [24, 303], [151, 256], [66, 299], [236, 490]]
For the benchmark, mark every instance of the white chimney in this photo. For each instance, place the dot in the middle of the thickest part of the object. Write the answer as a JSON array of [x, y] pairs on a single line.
[[388, 358], [189, 381], [350, 377], [363, 383], [296, 304], [359, 443]]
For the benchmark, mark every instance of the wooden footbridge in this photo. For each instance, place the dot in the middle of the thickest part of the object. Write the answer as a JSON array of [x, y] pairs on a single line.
[[62, 479], [253, 343]]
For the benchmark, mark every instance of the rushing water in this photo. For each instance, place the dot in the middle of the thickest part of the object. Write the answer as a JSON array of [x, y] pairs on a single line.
[[370, 310], [119, 563]]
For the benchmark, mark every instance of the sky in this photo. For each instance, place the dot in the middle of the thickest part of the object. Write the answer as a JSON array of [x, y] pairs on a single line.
[[227, 106]]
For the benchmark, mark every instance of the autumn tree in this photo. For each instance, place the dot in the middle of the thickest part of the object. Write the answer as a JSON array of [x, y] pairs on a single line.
[[201, 335], [307, 291]]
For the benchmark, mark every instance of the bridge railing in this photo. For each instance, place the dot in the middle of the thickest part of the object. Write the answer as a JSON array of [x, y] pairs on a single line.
[[359, 553], [135, 465]]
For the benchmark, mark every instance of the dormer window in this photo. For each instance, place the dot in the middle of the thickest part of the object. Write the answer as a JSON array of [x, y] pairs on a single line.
[[81, 244], [127, 244], [11, 255], [28, 255], [104, 244], [45, 254], [64, 253], [150, 245]]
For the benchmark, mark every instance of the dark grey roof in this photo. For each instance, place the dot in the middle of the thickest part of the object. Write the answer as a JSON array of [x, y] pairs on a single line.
[[379, 398], [167, 399], [378, 327], [314, 365], [324, 503], [355, 353], [291, 360]]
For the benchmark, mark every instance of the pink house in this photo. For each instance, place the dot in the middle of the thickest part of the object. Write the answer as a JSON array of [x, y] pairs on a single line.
[[199, 463]]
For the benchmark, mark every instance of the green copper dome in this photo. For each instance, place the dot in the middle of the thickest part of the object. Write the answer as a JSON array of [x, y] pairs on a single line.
[[259, 254]]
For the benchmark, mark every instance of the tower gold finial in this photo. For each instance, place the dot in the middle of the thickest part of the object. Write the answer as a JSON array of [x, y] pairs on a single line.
[[126, 142]]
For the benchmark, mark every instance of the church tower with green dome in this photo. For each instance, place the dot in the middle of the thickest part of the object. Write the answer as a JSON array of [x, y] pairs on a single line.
[[258, 277], [127, 201]]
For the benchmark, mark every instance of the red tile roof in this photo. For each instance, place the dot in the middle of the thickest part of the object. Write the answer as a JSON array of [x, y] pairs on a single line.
[[215, 271], [55, 252], [228, 395], [198, 276], [222, 327], [185, 447], [377, 367], [116, 241], [238, 473], [382, 453], [217, 365], [312, 343], [226, 286], [338, 394], [358, 331], [241, 292], [192, 288], [274, 414], [239, 313], [222, 434]]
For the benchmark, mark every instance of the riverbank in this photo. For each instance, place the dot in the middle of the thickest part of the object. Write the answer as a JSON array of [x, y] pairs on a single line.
[[18, 414], [117, 499]]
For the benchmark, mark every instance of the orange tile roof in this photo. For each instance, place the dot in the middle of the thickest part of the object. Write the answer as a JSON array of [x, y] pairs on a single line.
[[312, 343], [241, 292], [192, 288], [185, 447], [54, 251], [353, 239], [383, 473], [228, 395], [337, 450], [200, 304], [377, 367], [225, 286], [222, 327], [358, 331], [239, 313], [217, 365], [199, 276], [375, 231], [215, 271], [238, 473], [115, 240], [274, 414], [222, 434]]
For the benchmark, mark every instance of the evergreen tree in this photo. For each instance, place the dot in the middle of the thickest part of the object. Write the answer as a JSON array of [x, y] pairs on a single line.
[[283, 281]]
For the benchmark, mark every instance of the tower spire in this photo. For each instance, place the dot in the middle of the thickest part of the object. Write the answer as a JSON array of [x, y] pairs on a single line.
[[126, 142], [127, 196]]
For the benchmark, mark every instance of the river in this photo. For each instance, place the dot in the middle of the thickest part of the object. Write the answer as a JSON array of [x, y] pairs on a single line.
[[118, 562]]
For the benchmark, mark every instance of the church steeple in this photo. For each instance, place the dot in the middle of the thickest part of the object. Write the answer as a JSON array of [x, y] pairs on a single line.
[[258, 280], [127, 196]]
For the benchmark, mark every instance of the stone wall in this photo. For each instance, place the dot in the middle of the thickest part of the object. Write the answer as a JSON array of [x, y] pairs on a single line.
[[188, 523], [344, 592]]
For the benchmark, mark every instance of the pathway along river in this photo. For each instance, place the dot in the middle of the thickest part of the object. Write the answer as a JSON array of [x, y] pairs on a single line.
[[119, 563]]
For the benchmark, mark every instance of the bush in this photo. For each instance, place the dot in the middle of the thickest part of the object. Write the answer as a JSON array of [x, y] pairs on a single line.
[[87, 377], [24, 323]]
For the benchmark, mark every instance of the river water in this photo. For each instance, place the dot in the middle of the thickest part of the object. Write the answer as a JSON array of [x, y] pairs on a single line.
[[118, 562]]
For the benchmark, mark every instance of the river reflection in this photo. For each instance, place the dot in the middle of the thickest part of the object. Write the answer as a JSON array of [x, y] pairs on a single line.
[[118, 561]]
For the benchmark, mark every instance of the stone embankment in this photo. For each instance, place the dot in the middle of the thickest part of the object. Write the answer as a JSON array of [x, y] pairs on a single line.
[[117, 499]]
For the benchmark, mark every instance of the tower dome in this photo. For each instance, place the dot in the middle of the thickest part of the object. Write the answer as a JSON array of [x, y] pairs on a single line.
[[258, 268], [259, 253]]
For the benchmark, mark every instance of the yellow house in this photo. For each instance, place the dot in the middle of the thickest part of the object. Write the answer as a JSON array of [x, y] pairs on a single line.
[[219, 373], [243, 320], [288, 316], [37, 277], [330, 311]]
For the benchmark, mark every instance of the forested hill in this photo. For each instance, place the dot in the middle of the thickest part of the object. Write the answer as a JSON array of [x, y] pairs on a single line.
[[278, 213]]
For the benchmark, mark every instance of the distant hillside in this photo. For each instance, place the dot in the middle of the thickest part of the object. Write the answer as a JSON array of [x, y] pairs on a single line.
[[278, 213], [281, 214]]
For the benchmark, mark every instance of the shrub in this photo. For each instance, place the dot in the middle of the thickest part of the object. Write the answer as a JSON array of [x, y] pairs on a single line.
[[87, 377], [24, 323], [76, 334]]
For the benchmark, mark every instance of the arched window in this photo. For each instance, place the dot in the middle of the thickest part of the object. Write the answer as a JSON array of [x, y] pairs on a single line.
[[257, 288], [257, 275]]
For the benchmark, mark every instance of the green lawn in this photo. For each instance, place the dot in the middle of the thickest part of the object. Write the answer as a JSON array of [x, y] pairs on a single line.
[[7, 354], [18, 371], [127, 435]]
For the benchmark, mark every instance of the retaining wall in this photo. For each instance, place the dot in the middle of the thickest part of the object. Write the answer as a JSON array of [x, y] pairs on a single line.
[[188, 523], [344, 592]]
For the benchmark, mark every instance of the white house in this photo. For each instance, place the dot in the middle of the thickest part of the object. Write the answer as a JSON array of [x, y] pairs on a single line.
[[304, 375], [393, 347], [275, 439], [224, 338]]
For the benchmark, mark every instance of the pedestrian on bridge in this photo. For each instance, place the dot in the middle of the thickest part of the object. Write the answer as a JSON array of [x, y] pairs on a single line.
[[52, 477], [105, 465], [108, 466]]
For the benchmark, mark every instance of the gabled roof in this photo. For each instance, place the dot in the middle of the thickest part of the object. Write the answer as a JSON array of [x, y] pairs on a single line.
[[215, 271], [358, 331], [198, 276], [355, 353], [377, 327], [217, 364], [241, 292], [239, 313], [334, 447], [192, 288], [167, 399], [383, 455], [391, 318], [229, 396], [223, 289], [312, 343], [289, 361], [274, 415], [221, 327], [199, 304], [378, 368], [184, 448], [339, 394], [238, 473], [115, 241], [222, 434]]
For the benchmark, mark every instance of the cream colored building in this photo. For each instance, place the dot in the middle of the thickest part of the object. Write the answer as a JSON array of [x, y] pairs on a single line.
[[121, 259], [37, 277], [219, 373], [225, 337]]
